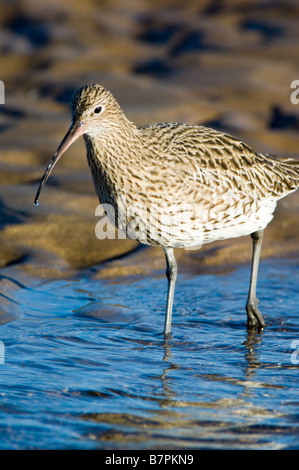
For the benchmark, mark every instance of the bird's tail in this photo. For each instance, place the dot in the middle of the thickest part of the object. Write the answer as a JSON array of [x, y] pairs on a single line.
[[288, 168]]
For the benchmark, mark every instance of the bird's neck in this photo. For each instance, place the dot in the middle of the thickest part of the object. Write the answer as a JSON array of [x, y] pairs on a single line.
[[111, 157]]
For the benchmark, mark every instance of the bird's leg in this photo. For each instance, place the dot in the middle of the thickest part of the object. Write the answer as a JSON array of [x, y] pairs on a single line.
[[171, 273], [254, 317]]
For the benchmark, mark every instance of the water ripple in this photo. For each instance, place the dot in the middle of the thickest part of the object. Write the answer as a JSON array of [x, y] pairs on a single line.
[[87, 366]]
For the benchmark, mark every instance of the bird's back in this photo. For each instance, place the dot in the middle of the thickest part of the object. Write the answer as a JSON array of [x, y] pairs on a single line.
[[209, 157], [228, 189]]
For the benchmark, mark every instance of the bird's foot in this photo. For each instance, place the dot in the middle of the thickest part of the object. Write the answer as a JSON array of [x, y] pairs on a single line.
[[254, 316]]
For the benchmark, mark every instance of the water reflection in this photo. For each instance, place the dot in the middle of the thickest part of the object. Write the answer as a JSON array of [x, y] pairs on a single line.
[[252, 344], [251, 362]]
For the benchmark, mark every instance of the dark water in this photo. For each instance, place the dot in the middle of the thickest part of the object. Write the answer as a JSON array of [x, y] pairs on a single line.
[[86, 366]]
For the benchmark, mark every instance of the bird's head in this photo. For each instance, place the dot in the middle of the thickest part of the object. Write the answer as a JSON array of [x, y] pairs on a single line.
[[94, 113]]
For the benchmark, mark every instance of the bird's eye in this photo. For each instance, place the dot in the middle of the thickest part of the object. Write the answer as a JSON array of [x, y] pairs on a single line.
[[98, 110]]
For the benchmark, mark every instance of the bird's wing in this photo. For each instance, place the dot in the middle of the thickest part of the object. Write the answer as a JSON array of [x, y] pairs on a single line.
[[217, 159]]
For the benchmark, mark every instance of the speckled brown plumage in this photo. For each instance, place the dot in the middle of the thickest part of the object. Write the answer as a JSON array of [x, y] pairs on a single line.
[[226, 189]]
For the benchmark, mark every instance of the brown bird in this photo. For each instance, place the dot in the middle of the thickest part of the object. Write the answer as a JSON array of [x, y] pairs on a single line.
[[177, 185]]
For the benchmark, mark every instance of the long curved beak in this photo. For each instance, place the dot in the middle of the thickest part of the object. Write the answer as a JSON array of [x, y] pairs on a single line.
[[76, 130]]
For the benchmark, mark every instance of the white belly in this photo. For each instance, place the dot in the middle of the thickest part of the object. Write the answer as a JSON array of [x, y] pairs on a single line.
[[184, 226]]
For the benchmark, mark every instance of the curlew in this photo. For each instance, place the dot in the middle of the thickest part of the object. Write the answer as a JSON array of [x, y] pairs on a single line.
[[198, 185]]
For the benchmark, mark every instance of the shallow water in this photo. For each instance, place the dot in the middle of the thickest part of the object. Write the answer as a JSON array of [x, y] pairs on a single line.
[[86, 365]]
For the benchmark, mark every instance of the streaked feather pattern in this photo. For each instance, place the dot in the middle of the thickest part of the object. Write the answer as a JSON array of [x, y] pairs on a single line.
[[232, 189]]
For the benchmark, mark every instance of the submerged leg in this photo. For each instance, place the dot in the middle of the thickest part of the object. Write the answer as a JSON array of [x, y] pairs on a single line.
[[171, 273], [254, 317]]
